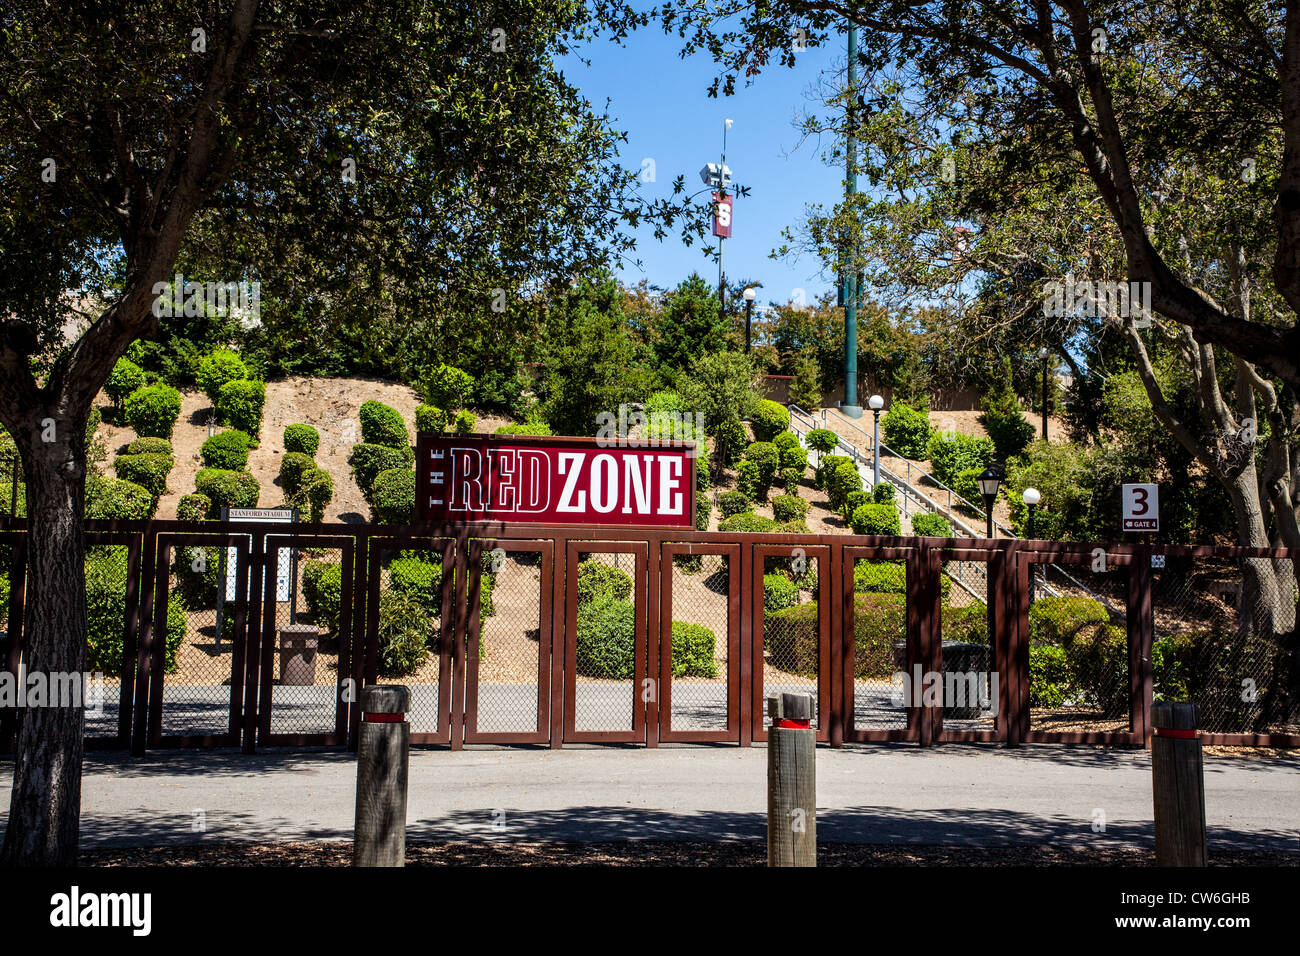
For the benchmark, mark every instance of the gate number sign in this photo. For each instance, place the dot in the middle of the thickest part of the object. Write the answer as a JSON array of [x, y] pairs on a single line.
[[1141, 507]]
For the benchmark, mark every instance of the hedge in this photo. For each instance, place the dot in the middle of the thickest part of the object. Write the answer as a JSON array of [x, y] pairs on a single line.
[[125, 378], [931, 526], [322, 590], [368, 460], [193, 507], [227, 450], [405, 633], [779, 592], [431, 418], [1095, 653], [606, 639], [315, 491], [734, 502], [150, 446], [822, 440], [747, 523], [419, 578], [383, 425], [148, 471], [152, 411], [952, 454], [769, 420], [216, 369], [890, 577], [794, 457], [907, 430], [876, 519], [785, 441], [749, 479], [293, 466], [302, 439], [598, 581], [525, 428], [693, 650], [114, 499], [789, 508], [239, 405], [106, 576], [228, 489], [392, 499]]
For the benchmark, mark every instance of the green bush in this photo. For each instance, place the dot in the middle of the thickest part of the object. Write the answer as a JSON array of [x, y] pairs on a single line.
[[844, 480], [794, 457], [446, 387], [1003, 419], [606, 639], [797, 526], [525, 428], [784, 441], [854, 500], [464, 423], [112, 499], [322, 590], [597, 581], [791, 479], [1049, 676], [197, 571], [767, 457], [749, 479], [239, 405], [883, 493], [828, 466], [106, 578], [420, 578], [216, 369], [732, 438], [747, 523], [368, 460], [383, 425], [227, 489], [405, 632], [150, 446], [789, 508], [907, 430], [702, 511], [1096, 651], [779, 592], [193, 508], [967, 485], [876, 519], [148, 471], [227, 450], [392, 500], [822, 440], [880, 577], [302, 439], [734, 502], [125, 378], [315, 491], [769, 420], [430, 418], [293, 466], [693, 649], [152, 411], [931, 526], [953, 453]]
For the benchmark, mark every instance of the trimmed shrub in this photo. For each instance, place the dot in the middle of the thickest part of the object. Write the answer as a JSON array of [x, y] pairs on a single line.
[[769, 420], [228, 450], [315, 491], [446, 386], [827, 466], [383, 425], [732, 439], [779, 592], [702, 511], [795, 457], [785, 441], [193, 508], [302, 439], [1002, 418], [419, 578], [464, 423], [405, 632], [322, 590], [747, 523], [152, 411], [125, 378], [841, 482], [368, 460], [150, 446], [767, 457], [693, 649], [734, 502], [293, 466], [907, 430], [967, 485], [797, 526], [822, 440], [598, 581], [880, 577], [216, 369], [883, 493], [749, 479], [952, 454], [525, 428], [239, 405], [106, 575], [148, 471], [430, 418], [876, 519], [854, 500], [931, 526], [115, 500], [392, 500], [789, 508], [1049, 676], [791, 479], [606, 639], [227, 489]]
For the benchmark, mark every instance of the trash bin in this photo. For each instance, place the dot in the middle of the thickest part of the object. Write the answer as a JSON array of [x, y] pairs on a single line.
[[960, 657], [298, 654]]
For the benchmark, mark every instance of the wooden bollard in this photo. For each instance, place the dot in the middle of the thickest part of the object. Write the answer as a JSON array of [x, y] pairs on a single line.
[[791, 782], [383, 760], [1177, 785]]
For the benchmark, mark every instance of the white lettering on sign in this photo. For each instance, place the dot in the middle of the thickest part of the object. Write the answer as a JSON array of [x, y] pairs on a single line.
[[534, 481], [670, 474], [466, 480], [636, 484], [501, 463], [1141, 511], [604, 484], [567, 502]]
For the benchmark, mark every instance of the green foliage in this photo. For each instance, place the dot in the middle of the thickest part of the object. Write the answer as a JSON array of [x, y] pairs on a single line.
[[405, 632], [769, 419], [152, 411], [227, 489], [827, 465], [216, 369], [778, 592], [794, 456], [148, 471], [733, 502], [606, 638], [664, 402], [805, 389], [750, 482], [841, 482], [853, 501], [767, 457], [383, 425], [689, 324], [1002, 418], [880, 577], [747, 523], [322, 590], [720, 387], [931, 526], [431, 418], [114, 500], [702, 512], [125, 378], [239, 404], [883, 493], [420, 578], [445, 387], [464, 423], [1049, 676], [367, 461], [790, 479], [1095, 651], [193, 507], [293, 466], [228, 450], [876, 519], [789, 508], [392, 499], [106, 579], [951, 454], [525, 428], [967, 485], [693, 650], [315, 491], [150, 446], [822, 440], [907, 430], [785, 440], [597, 580], [302, 439]]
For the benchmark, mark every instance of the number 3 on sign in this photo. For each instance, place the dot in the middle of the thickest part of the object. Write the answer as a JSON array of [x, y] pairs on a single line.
[[1141, 507]]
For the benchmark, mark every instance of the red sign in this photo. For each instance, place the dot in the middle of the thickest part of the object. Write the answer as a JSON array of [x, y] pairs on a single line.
[[583, 481], [722, 215]]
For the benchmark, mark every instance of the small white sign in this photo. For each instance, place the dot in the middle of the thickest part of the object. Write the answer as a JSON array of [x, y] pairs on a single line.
[[1141, 507], [282, 564]]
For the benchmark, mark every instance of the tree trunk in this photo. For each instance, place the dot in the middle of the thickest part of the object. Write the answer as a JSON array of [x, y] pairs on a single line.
[[45, 806]]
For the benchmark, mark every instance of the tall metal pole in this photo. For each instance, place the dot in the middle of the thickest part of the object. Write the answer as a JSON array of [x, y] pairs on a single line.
[[722, 193], [850, 406], [1045, 398]]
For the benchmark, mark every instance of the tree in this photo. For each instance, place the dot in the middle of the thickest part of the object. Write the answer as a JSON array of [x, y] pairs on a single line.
[[356, 160], [689, 324], [721, 387]]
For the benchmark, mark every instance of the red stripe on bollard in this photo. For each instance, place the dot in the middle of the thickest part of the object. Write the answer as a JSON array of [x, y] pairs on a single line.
[[383, 718], [794, 724], [1171, 732]]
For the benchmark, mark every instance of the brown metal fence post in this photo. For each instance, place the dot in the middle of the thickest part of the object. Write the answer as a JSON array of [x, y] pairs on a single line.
[[791, 782], [1141, 636], [1178, 786], [383, 764]]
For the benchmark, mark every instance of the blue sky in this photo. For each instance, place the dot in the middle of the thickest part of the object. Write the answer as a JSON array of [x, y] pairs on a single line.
[[662, 102]]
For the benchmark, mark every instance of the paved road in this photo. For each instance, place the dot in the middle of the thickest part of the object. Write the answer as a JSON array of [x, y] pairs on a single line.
[[952, 794]]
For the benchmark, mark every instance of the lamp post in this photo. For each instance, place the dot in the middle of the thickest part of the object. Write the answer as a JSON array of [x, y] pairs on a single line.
[[876, 403], [850, 406], [1043, 354], [749, 314], [1031, 497], [989, 481]]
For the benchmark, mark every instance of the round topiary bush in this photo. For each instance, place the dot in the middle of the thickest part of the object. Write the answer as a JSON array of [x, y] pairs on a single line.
[[789, 508], [841, 482], [315, 491], [216, 369], [876, 519], [794, 457], [148, 471], [883, 493], [827, 466], [606, 639], [404, 634], [112, 499], [125, 378], [907, 430], [790, 479], [392, 500], [383, 425], [302, 439], [293, 466], [150, 446], [822, 440], [766, 457], [193, 508], [931, 526], [368, 460], [152, 411], [239, 405], [785, 441], [597, 580], [747, 523], [769, 420], [693, 650], [227, 489], [779, 592], [227, 450], [734, 502], [431, 418], [420, 578]]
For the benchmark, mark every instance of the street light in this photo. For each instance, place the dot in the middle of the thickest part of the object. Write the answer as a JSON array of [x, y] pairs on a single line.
[[1043, 354], [749, 314], [1031, 497], [989, 481], [876, 403]]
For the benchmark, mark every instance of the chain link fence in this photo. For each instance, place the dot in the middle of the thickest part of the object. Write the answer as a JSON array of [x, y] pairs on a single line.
[[880, 659], [509, 645], [970, 681], [410, 632], [792, 626], [605, 692], [699, 664]]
